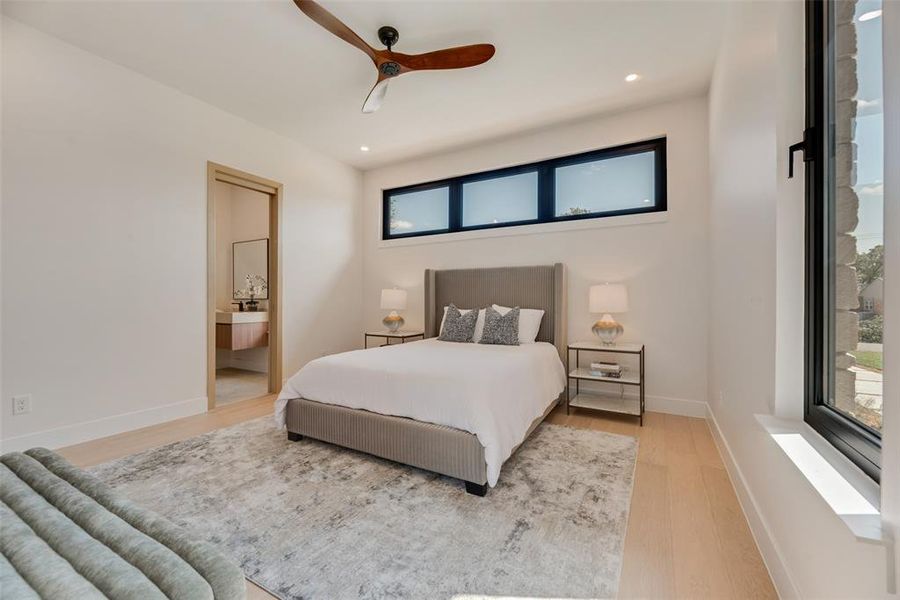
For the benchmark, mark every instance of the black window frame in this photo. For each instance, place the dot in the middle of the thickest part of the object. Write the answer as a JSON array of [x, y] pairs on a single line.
[[546, 192], [859, 443]]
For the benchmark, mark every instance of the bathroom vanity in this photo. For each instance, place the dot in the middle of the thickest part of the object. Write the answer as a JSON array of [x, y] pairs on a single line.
[[242, 330]]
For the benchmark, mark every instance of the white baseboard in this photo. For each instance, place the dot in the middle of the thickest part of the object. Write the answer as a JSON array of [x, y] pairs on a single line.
[[676, 406], [759, 527], [98, 428]]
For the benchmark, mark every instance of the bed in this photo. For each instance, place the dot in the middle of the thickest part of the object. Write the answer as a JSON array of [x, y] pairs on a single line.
[[456, 409]]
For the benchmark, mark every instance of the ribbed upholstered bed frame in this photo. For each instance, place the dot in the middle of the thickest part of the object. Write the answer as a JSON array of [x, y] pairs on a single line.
[[428, 446]]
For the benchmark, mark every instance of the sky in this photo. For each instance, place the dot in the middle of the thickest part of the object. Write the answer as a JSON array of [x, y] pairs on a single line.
[[511, 198], [420, 211], [869, 129]]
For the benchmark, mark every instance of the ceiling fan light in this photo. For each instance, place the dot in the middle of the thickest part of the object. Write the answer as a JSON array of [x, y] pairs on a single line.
[[375, 97]]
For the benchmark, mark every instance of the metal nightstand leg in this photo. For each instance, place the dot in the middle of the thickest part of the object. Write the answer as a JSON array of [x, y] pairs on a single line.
[[577, 362], [642, 387], [568, 379]]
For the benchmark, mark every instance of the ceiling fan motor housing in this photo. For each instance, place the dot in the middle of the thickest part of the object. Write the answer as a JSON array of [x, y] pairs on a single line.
[[388, 36]]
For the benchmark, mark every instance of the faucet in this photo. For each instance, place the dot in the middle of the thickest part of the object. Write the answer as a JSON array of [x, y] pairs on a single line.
[[240, 305]]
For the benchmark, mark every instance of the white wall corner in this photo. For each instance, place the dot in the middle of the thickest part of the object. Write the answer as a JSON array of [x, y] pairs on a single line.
[[790, 214]]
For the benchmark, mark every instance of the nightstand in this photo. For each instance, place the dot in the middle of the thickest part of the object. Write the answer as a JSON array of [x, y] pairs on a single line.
[[622, 404], [392, 335]]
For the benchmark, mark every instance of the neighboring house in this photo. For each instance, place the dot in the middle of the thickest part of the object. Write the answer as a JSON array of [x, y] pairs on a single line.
[[871, 298]]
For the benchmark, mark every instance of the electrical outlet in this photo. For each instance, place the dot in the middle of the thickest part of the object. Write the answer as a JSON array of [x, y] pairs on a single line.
[[22, 404]]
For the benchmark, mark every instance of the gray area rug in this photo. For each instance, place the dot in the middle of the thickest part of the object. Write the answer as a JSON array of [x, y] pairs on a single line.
[[310, 520]]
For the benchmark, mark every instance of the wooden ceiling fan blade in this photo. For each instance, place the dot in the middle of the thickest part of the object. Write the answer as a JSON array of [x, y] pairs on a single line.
[[449, 58], [328, 21], [376, 96]]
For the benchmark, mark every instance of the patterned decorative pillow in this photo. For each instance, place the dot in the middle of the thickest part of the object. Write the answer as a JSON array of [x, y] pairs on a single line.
[[501, 329], [458, 327]]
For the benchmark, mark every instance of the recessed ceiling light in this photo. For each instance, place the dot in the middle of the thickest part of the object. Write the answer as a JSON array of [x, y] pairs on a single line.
[[632, 77], [363, 148], [872, 14]]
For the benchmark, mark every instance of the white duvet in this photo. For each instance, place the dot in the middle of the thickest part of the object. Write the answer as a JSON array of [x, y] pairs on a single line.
[[494, 392]]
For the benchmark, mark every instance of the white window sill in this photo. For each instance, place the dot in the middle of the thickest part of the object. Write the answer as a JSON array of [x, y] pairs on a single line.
[[850, 493], [598, 223]]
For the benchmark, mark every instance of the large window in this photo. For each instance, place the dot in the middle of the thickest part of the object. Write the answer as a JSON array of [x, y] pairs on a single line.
[[845, 233], [624, 180]]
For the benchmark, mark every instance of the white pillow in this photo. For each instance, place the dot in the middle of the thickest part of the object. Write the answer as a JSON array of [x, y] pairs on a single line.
[[479, 323], [529, 322]]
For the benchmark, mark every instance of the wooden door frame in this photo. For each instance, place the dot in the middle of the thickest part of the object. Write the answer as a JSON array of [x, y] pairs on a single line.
[[274, 190]]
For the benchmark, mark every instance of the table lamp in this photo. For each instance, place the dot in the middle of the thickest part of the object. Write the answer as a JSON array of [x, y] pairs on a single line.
[[605, 299], [393, 300]]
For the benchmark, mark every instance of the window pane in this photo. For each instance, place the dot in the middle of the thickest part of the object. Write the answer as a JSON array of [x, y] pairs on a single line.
[[611, 184], [500, 200], [854, 189], [428, 210]]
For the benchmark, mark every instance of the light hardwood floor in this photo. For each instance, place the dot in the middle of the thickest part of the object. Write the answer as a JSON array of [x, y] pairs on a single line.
[[687, 536], [234, 385]]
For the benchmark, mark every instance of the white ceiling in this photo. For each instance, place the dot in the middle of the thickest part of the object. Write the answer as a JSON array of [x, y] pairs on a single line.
[[268, 63]]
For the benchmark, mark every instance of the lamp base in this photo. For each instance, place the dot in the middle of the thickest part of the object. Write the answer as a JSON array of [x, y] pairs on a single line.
[[393, 322], [607, 330]]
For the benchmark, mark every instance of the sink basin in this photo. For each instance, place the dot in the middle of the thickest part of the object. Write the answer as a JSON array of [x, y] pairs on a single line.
[[230, 318]]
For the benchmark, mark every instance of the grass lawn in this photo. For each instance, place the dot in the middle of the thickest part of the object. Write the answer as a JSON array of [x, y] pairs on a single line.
[[869, 360]]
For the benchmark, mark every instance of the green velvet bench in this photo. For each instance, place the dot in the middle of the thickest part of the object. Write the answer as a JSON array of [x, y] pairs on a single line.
[[64, 534]]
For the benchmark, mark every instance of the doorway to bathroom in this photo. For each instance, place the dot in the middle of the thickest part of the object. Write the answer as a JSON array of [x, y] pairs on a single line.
[[243, 286]]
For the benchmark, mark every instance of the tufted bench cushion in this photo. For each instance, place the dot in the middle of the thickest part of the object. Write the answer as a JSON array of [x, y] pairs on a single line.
[[65, 535]]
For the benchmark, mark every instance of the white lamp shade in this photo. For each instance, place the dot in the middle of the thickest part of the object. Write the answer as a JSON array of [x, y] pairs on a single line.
[[393, 299], [609, 298]]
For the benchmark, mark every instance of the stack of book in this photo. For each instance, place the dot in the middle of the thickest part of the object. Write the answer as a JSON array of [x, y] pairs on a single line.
[[606, 369]]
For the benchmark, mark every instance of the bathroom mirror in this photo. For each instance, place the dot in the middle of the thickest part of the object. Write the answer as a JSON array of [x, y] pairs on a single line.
[[250, 259]]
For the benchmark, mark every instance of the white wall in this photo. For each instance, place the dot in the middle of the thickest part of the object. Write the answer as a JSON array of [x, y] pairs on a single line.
[[663, 263], [104, 242], [223, 246], [756, 294], [241, 215], [890, 488], [4, 414]]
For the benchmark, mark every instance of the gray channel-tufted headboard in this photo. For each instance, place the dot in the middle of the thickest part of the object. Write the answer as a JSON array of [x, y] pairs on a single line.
[[542, 287]]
